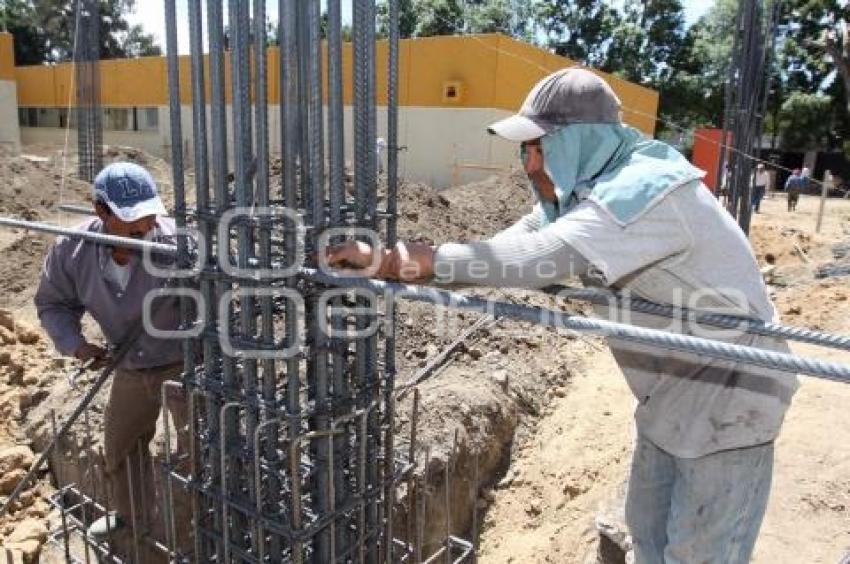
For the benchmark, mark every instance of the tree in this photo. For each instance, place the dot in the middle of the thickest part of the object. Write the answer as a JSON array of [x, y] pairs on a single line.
[[691, 82], [408, 19], [19, 18], [813, 60], [802, 124], [578, 29], [439, 17], [44, 30], [646, 41], [489, 16], [137, 43]]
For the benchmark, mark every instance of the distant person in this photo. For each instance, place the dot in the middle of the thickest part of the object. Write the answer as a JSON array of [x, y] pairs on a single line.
[[760, 182], [794, 186], [828, 182], [380, 149]]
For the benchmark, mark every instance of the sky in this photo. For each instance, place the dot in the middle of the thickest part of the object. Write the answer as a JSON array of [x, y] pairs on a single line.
[[150, 13]]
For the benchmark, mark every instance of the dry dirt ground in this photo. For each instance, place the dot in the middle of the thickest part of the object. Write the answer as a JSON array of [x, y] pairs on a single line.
[[544, 417]]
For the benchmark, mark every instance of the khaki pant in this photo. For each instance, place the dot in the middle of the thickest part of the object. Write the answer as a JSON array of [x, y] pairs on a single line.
[[135, 402]]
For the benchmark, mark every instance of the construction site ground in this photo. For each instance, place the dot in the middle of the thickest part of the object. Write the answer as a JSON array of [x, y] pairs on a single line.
[[542, 419]]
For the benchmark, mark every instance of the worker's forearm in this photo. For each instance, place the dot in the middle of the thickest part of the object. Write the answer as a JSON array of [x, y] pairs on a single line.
[[531, 260], [528, 223]]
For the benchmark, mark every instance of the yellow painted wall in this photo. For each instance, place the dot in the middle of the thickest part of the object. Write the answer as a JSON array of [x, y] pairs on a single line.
[[7, 56], [492, 71]]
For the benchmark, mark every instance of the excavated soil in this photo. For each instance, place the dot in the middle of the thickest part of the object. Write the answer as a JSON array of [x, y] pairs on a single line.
[[533, 425]]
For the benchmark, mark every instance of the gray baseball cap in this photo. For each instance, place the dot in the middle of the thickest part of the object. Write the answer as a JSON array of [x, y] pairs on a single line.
[[571, 95]]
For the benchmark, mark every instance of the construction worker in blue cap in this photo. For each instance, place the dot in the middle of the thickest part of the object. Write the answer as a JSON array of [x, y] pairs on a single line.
[[110, 284]]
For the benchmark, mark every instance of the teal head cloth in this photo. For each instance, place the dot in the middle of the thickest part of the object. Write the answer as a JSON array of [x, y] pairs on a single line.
[[612, 165]]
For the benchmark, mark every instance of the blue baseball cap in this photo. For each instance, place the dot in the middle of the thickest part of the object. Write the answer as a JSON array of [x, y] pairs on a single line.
[[129, 190]]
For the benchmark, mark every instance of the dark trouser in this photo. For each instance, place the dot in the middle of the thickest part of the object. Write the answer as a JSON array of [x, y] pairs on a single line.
[[792, 200], [135, 402], [758, 194]]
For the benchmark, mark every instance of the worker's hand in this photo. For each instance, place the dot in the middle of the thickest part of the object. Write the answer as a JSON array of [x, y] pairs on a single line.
[[355, 255], [412, 262], [91, 355], [408, 262]]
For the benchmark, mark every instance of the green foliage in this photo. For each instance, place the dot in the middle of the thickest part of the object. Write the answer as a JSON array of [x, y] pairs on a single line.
[[645, 41], [440, 17], [137, 43], [802, 123], [44, 30], [18, 17], [808, 75], [579, 29], [489, 16], [408, 18], [691, 85]]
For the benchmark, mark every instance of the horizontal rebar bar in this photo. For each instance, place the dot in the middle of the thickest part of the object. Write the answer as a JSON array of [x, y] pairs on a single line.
[[543, 316], [592, 295], [546, 317], [723, 321], [94, 237]]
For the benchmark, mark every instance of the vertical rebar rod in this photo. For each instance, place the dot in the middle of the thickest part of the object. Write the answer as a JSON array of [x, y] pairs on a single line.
[[337, 203], [336, 124], [390, 320], [59, 481], [371, 169], [246, 387], [174, 97], [92, 467], [270, 500], [218, 117], [365, 188], [303, 49], [290, 137], [79, 457], [213, 363], [318, 359], [134, 522], [96, 109]]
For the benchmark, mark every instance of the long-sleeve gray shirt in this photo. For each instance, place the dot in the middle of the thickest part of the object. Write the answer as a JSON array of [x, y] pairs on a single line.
[[685, 250], [73, 282]]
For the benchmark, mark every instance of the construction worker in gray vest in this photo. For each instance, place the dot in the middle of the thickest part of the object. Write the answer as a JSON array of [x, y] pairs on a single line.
[[110, 284], [628, 213]]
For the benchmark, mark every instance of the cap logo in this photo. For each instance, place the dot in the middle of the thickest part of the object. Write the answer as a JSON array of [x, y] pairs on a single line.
[[124, 191]]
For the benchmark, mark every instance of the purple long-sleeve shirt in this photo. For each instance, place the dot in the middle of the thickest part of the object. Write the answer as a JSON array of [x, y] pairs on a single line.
[[73, 283]]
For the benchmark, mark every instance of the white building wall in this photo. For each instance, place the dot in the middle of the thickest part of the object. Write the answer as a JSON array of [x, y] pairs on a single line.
[[148, 141], [444, 146], [10, 134]]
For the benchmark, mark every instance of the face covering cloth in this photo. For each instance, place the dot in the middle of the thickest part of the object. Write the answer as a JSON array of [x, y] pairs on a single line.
[[613, 166]]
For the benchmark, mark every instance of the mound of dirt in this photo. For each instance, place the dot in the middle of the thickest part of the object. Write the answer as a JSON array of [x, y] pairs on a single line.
[[26, 365], [463, 213]]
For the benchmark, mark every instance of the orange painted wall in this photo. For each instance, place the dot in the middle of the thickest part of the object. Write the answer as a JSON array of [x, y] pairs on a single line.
[[706, 154], [7, 56], [492, 70]]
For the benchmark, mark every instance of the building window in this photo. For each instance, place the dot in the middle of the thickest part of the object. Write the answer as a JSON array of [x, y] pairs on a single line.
[[113, 119], [149, 119]]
